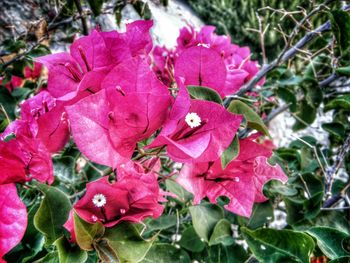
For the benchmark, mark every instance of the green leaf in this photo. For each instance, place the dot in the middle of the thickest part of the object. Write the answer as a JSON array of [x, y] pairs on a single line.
[[345, 71], [166, 253], [329, 240], [204, 93], [177, 189], [142, 9], [340, 21], [341, 102], [52, 213], [222, 234], [8, 102], [288, 96], [87, 233], [96, 6], [191, 241], [68, 253], [262, 213], [271, 246], [277, 187], [127, 243], [51, 257], [230, 153], [335, 128], [161, 223], [64, 168], [204, 219], [222, 254], [306, 114], [341, 260], [252, 118]]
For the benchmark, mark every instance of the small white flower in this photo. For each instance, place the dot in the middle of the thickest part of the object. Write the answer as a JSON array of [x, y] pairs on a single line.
[[193, 120], [99, 200]]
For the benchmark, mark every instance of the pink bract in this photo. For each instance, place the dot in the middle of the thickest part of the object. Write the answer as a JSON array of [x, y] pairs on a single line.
[[241, 181], [132, 105], [48, 119], [198, 144], [13, 219], [24, 157], [133, 197]]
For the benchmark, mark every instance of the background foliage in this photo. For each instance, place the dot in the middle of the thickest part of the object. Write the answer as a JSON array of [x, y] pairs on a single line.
[[314, 204]]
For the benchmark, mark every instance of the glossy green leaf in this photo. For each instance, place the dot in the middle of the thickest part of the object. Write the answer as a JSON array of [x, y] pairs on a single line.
[[222, 234], [178, 190], [341, 102], [271, 246], [8, 103], [191, 241], [204, 93], [329, 240], [87, 233], [344, 71], [253, 119], [51, 257], [96, 6], [341, 260], [68, 253], [163, 222], [340, 21], [64, 168], [230, 153], [127, 243], [261, 214], [52, 213], [204, 219], [166, 253]]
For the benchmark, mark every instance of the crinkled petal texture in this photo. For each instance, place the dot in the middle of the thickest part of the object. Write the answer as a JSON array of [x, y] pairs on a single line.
[[132, 198], [203, 143], [24, 158], [132, 105], [13, 218], [202, 66], [89, 124], [48, 119], [241, 181]]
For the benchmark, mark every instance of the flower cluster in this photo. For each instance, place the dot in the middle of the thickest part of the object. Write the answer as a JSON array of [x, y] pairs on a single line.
[[113, 90]]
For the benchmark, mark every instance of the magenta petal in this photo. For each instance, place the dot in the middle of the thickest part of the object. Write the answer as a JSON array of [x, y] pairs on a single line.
[[61, 81], [265, 172], [202, 66], [13, 218], [138, 38], [90, 51], [89, 124]]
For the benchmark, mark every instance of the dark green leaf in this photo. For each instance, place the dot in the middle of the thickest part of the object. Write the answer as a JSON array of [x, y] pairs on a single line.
[[252, 118], [96, 6], [51, 257], [127, 243], [341, 102], [87, 233], [341, 260], [68, 253], [177, 189], [8, 103], [222, 234], [345, 71], [271, 246], [204, 93], [262, 213], [191, 241], [340, 21], [52, 213], [165, 253], [163, 222], [204, 218], [230, 153], [329, 240]]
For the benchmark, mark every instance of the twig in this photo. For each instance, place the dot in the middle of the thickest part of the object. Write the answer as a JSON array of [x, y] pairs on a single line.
[[82, 17], [287, 53]]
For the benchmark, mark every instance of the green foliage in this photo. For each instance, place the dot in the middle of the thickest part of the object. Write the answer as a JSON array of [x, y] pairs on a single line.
[[204, 93]]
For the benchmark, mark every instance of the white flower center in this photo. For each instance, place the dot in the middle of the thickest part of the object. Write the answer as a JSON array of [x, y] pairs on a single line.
[[99, 200], [193, 120]]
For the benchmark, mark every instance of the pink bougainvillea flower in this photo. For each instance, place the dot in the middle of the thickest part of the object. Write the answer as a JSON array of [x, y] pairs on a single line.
[[197, 130], [24, 157], [48, 119], [201, 54], [163, 64], [132, 105], [14, 83], [33, 72], [241, 181], [133, 197], [13, 219], [88, 57]]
